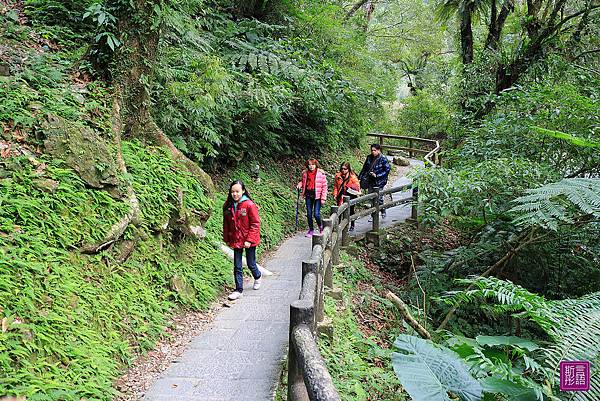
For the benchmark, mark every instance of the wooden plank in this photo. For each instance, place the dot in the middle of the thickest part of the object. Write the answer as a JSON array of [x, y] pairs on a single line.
[[396, 203], [424, 151], [396, 189], [407, 138], [362, 199], [366, 212]]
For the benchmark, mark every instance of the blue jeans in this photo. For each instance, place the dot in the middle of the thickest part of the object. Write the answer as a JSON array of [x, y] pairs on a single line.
[[237, 266], [313, 207]]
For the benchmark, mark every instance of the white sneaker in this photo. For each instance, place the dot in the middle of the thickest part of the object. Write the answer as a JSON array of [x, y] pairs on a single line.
[[235, 295], [257, 283]]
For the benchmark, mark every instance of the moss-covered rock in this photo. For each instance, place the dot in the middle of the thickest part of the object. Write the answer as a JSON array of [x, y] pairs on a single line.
[[83, 150]]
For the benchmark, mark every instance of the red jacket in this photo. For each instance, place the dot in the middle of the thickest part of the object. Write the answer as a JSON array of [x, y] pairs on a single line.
[[352, 182], [320, 185], [241, 225]]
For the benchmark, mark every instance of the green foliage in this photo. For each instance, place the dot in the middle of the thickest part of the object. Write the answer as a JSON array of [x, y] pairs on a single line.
[[573, 325], [523, 119], [71, 321], [154, 175], [503, 365], [223, 95], [105, 25], [484, 189], [359, 365], [40, 87], [428, 372], [425, 116], [565, 201]]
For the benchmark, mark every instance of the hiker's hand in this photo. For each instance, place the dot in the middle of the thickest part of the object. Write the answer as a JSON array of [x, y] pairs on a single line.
[[247, 244], [299, 186], [372, 174]]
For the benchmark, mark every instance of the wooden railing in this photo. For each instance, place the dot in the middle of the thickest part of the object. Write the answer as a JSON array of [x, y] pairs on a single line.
[[431, 154], [308, 378]]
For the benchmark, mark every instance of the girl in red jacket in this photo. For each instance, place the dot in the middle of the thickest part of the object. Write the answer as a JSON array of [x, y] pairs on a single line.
[[314, 189], [241, 229]]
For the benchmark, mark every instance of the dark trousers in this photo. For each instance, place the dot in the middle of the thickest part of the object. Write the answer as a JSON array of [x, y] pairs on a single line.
[[313, 208], [237, 266], [371, 190]]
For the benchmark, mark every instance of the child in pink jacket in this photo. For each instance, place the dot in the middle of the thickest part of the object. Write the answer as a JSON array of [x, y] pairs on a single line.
[[314, 190]]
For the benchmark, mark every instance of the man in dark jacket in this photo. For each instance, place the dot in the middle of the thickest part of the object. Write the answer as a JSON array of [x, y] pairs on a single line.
[[375, 170]]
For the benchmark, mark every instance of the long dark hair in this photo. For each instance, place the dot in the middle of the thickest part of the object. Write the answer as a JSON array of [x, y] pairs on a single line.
[[229, 202], [347, 165]]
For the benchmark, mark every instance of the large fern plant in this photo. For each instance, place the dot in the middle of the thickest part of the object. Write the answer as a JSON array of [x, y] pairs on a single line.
[[565, 201], [572, 324]]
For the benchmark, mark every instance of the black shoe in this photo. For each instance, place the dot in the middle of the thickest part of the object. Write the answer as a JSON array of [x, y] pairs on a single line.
[[351, 228], [383, 213]]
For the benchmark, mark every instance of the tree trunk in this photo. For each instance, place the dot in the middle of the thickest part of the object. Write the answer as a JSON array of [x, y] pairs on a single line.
[[135, 60], [355, 8], [492, 27], [497, 23], [466, 33]]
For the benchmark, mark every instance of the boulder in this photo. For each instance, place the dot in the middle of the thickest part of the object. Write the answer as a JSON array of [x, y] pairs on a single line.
[[45, 184], [4, 69], [83, 150], [401, 161]]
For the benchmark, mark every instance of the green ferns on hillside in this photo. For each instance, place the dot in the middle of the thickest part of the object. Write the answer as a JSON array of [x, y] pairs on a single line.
[[70, 322]]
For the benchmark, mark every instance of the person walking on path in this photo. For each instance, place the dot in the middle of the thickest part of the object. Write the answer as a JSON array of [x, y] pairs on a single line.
[[374, 172], [241, 230], [313, 185], [346, 184]]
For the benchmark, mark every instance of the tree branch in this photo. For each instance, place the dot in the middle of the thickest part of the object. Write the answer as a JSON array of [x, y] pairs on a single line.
[[354, 8], [407, 316], [527, 237], [585, 53]]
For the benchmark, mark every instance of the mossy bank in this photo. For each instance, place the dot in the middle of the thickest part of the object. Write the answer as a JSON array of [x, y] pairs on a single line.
[[70, 321]]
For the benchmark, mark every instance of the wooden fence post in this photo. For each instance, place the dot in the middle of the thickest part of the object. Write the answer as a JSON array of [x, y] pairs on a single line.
[[345, 236], [375, 204], [415, 204], [372, 237], [410, 147], [301, 312], [335, 249], [311, 266]]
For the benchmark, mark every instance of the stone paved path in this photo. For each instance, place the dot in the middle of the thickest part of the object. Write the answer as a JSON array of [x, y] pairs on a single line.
[[239, 357]]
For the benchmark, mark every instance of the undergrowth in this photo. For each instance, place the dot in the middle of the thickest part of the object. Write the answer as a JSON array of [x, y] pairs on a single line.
[[71, 322], [358, 358]]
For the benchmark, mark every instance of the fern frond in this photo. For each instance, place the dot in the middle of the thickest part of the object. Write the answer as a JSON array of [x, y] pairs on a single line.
[[262, 60], [572, 324], [558, 202]]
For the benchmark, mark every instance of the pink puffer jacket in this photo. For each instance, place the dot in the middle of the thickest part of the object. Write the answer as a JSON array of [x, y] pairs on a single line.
[[320, 185]]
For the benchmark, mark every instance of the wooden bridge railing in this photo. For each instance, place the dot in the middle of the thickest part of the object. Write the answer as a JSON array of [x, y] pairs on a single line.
[[431, 155], [308, 378]]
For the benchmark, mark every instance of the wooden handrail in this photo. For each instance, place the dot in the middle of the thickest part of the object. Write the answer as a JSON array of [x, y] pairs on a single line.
[[431, 156], [407, 138], [308, 378]]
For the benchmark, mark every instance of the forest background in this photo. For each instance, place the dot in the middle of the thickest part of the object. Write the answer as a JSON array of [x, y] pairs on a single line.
[[122, 122]]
